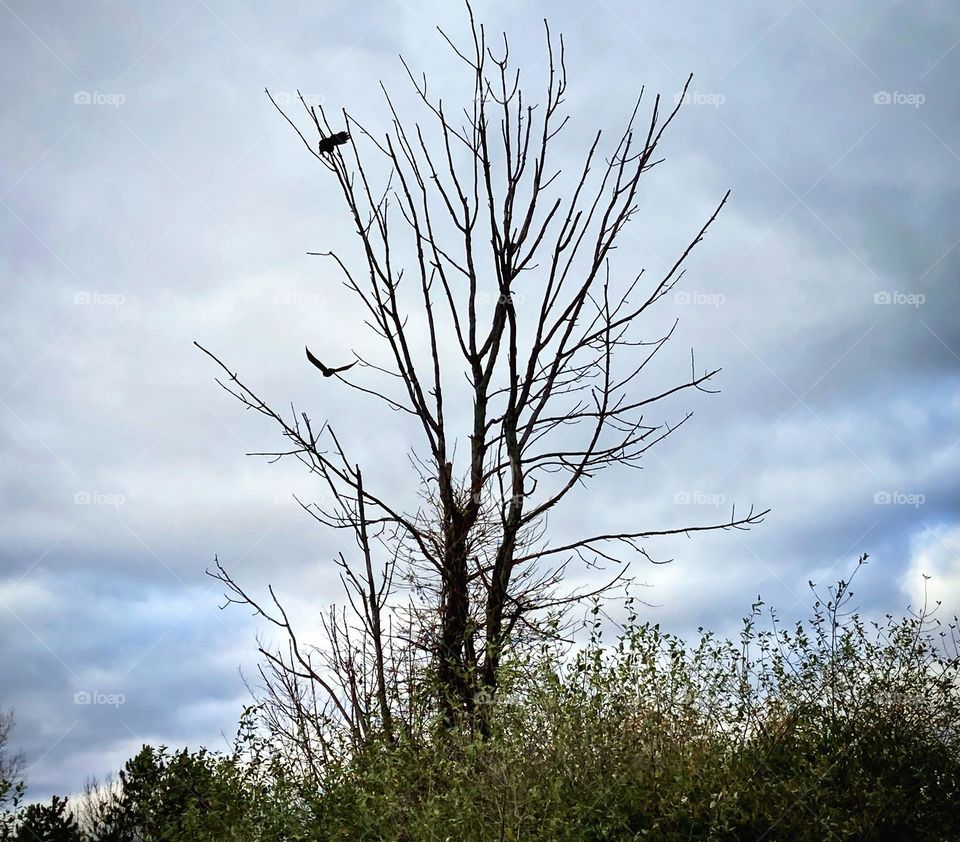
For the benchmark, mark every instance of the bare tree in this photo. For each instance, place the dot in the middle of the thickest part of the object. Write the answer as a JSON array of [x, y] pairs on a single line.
[[481, 262], [11, 762]]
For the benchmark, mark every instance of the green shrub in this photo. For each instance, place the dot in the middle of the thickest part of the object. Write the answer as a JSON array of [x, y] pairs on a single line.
[[51, 822], [830, 729]]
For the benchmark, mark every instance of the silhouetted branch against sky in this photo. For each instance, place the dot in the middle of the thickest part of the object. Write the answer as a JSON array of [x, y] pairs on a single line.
[[482, 264], [151, 195]]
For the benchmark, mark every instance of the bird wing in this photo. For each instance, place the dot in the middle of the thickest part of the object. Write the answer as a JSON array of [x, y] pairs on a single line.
[[329, 143], [326, 371]]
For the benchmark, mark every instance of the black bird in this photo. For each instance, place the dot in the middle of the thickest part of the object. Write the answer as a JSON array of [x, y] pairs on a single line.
[[327, 372], [328, 144]]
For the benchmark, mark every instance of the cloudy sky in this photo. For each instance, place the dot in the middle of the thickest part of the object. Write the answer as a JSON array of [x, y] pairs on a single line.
[[150, 196]]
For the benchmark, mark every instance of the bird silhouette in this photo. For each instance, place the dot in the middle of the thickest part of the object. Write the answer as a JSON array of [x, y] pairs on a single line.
[[327, 372], [328, 144]]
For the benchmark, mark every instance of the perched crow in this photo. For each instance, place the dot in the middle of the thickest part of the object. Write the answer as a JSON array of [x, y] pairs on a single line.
[[328, 144], [327, 372]]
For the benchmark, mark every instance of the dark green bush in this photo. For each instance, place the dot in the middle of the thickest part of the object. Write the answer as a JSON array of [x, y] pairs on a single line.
[[51, 822], [200, 796]]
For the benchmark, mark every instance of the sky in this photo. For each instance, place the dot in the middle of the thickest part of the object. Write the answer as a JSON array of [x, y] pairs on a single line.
[[150, 196]]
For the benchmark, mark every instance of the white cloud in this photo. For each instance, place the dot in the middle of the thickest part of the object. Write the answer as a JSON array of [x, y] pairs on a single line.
[[935, 553]]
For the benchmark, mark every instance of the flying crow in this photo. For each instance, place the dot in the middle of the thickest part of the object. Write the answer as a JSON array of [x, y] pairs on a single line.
[[327, 372], [328, 144]]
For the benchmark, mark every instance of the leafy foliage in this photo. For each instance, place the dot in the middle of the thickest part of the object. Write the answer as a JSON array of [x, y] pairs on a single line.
[[11, 764], [199, 796], [833, 728], [42, 823]]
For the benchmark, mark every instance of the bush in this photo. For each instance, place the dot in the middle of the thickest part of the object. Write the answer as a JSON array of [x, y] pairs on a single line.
[[199, 796], [833, 728], [43, 823]]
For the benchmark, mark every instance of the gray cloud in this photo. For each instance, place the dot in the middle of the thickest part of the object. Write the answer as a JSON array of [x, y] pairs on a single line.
[[184, 211]]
